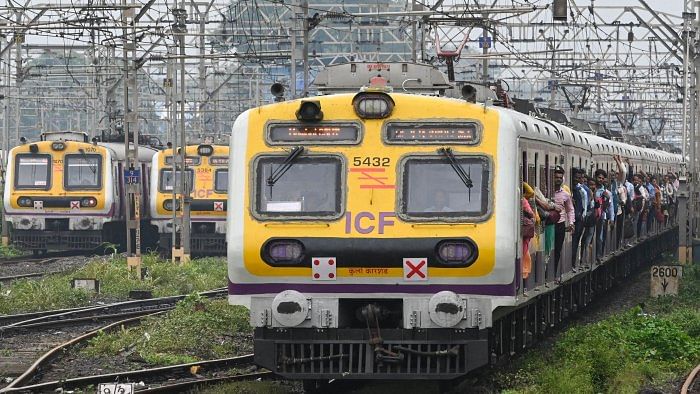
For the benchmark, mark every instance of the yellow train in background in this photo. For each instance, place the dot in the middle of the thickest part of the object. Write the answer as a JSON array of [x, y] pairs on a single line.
[[64, 192], [207, 183]]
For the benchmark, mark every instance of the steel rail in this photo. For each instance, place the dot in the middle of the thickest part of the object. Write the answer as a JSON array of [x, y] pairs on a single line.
[[47, 357], [690, 380], [193, 384], [101, 312], [180, 369]]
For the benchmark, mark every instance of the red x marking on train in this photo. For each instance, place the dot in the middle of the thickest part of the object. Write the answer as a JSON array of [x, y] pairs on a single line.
[[415, 269], [218, 205], [375, 181], [75, 205]]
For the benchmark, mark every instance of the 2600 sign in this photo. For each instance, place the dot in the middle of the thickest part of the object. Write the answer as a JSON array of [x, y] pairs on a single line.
[[664, 271]]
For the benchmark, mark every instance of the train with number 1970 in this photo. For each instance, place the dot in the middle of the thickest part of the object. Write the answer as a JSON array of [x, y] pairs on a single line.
[[64, 192], [379, 232]]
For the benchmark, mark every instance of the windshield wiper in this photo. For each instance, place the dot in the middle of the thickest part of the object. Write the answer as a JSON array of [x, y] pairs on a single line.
[[463, 176], [285, 166]]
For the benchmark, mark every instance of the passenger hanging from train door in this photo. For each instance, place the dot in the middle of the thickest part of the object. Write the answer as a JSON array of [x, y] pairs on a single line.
[[549, 216], [527, 229], [567, 218], [621, 210], [580, 197], [651, 206], [603, 199], [639, 203], [590, 224]]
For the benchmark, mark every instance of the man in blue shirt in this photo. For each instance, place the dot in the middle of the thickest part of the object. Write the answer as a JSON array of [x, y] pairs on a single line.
[[604, 199], [651, 214]]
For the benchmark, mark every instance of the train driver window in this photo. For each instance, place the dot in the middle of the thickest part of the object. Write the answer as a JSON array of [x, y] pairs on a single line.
[[166, 180], [83, 172], [221, 181], [32, 171], [437, 187], [307, 186]]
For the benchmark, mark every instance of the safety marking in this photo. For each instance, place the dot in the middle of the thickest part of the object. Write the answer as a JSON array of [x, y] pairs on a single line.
[[218, 205], [415, 269], [323, 268], [38, 205], [75, 205], [375, 182]]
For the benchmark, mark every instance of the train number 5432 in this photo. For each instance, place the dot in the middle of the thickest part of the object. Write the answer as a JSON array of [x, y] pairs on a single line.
[[370, 161]]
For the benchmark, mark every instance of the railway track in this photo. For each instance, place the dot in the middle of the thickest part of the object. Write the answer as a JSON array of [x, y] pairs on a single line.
[[66, 317], [157, 379], [692, 382]]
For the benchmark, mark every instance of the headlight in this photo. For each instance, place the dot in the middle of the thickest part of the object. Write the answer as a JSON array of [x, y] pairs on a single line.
[[25, 202], [168, 205], [373, 105], [88, 202], [457, 252], [284, 251]]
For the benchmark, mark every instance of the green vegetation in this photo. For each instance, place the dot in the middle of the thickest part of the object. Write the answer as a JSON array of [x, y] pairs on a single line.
[[638, 349], [164, 279], [250, 388], [197, 329], [9, 251]]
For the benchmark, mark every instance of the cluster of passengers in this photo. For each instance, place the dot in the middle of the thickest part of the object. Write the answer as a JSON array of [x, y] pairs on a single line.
[[624, 205]]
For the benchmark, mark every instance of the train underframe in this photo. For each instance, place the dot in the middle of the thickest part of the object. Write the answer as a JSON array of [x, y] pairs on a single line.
[[205, 240], [112, 233], [444, 354]]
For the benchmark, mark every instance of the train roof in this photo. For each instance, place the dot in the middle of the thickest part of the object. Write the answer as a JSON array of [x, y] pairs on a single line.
[[145, 152]]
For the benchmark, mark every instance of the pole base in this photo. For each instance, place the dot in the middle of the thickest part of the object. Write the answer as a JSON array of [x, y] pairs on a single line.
[[179, 256], [134, 263], [5, 240]]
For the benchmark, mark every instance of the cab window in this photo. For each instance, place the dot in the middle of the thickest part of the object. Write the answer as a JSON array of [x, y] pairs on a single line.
[[433, 188], [33, 171], [221, 181], [82, 172], [309, 187], [166, 181]]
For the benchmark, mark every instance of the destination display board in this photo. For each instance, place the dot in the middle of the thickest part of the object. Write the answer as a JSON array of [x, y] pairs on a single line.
[[317, 133], [189, 160], [218, 161], [461, 133]]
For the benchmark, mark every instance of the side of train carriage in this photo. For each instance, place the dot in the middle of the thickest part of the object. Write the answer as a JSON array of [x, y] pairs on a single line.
[[65, 193], [207, 180], [379, 236]]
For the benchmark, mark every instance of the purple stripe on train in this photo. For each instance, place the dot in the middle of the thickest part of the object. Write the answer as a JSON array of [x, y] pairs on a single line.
[[269, 288]]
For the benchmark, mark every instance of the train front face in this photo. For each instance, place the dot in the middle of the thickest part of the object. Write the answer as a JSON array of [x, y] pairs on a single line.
[[59, 195], [377, 235], [207, 181]]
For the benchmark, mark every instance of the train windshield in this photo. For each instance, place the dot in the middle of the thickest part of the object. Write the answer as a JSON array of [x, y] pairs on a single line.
[[166, 180], [83, 171], [32, 171], [310, 187], [433, 187], [221, 181]]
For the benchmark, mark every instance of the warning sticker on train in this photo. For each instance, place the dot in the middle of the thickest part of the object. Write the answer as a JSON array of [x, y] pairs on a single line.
[[415, 269], [75, 205], [218, 206]]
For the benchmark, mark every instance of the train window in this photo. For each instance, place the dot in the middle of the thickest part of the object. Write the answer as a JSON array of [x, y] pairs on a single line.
[[433, 188], [32, 171], [309, 186], [221, 181], [166, 180], [82, 172]]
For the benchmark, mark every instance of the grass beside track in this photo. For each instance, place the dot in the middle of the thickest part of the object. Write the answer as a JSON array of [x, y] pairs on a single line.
[[9, 251], [650, 348], [164, 279], [197, 329]]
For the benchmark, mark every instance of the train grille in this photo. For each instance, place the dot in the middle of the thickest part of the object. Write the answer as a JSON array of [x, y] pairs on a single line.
[[347, 359]]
